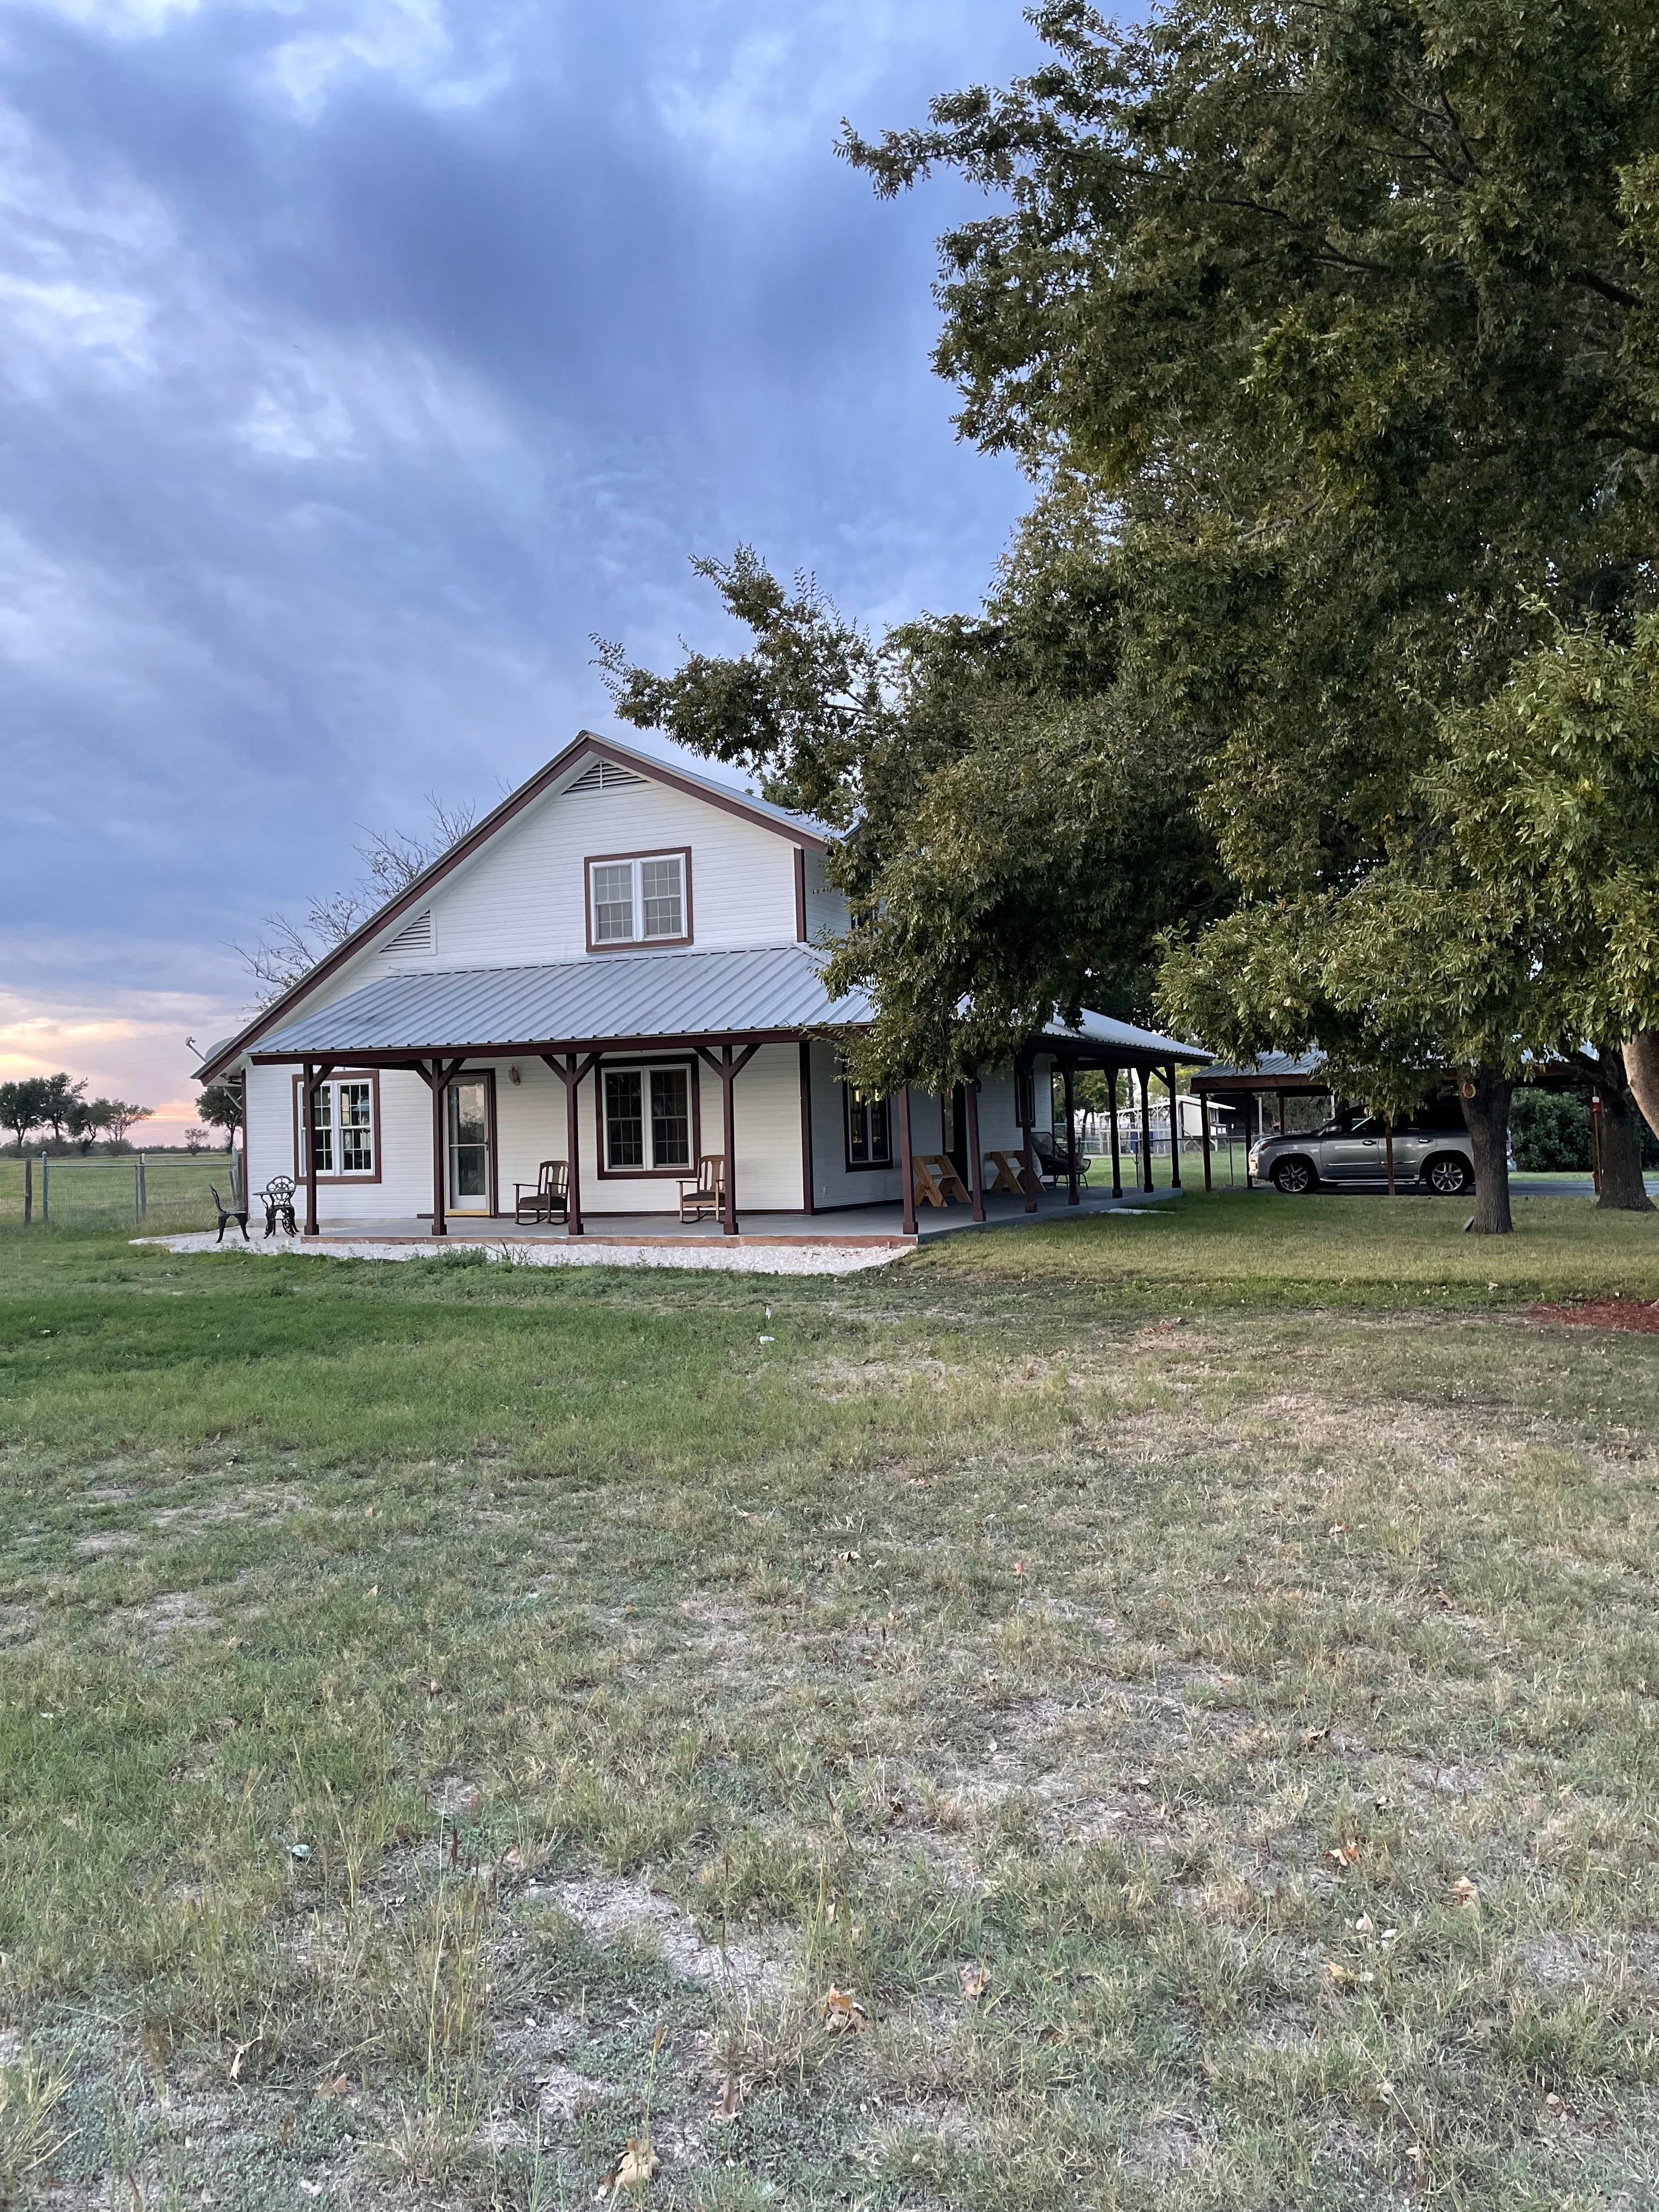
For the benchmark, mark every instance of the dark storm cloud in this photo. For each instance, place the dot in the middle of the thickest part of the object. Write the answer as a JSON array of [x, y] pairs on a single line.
[[358, 361]]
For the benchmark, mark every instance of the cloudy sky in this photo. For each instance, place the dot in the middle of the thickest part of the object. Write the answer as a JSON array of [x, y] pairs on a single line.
[[359, 359]]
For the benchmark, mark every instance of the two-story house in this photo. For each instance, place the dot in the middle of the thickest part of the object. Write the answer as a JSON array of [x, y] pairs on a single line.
[[615, 970]]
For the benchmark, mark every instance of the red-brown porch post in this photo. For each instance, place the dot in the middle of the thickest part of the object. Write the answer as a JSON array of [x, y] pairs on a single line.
[[573, 1225], [1145, 1128], [1026, 1102], [1073, 1196], [440, 1093], [1204, 1131], [976, 1165], [308, 1136], [906, 1165], [729, 1131], [1117, 1157], [1175, 1128]]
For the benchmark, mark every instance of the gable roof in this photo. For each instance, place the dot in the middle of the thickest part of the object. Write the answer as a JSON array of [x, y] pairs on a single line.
[[799, 828]]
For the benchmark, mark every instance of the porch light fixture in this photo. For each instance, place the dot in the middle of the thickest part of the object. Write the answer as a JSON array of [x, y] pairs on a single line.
[[512, 1074]]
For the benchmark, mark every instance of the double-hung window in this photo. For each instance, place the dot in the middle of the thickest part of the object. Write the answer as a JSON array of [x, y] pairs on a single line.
[[638, 898], [647, 1120], [869, 1130], [343, 1128]]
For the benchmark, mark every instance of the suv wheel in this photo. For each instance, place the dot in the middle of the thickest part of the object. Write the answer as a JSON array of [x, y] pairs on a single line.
[[1449, 1175], [1294, 1178]]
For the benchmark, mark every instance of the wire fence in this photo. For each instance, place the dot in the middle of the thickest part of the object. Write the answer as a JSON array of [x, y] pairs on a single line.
[[160, 1191]]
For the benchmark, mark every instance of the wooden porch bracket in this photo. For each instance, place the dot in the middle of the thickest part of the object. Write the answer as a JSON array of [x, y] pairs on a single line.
[[437, 1079], [728, 1068], [573, 1071]]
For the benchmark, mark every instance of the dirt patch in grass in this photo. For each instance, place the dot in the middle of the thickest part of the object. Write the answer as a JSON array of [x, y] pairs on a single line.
[[1638, 1316]]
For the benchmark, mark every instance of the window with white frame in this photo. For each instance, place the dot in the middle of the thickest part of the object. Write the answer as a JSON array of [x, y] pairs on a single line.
[[638, 898], [342, 1126], [869, 1129], [647, 1120]]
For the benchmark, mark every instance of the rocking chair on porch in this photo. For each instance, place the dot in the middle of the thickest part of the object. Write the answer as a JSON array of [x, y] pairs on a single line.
[[547, 1199], [703, 1195]]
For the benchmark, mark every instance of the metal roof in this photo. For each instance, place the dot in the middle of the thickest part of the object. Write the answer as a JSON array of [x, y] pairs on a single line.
[[1101, 1029], [760, 991], [618, 995], [1270, 1068]]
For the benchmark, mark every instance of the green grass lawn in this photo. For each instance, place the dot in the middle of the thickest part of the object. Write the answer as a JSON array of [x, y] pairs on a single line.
[[1190, 1684]]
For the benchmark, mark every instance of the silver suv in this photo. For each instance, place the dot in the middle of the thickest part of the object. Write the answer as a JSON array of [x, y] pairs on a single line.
[[1431, 1151]]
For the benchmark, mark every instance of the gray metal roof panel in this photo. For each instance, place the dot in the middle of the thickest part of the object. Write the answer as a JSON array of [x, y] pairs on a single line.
[[613, 995], [1268, 1066], [1104, 1029]]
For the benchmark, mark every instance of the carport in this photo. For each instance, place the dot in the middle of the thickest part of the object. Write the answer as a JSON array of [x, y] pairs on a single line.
[[1276, 1075]]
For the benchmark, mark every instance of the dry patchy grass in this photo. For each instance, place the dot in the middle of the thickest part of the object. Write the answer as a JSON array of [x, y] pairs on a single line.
[[1212, 1753]]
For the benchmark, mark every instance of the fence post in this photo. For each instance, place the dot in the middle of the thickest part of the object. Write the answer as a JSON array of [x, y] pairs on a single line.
[[28, 1190], [45, 1187], [143, 1190], [138, 1208]]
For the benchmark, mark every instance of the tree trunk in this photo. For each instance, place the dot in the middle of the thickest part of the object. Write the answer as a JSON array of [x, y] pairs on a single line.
[[1624, 1189], [1642, 1071], [1485, 1100]]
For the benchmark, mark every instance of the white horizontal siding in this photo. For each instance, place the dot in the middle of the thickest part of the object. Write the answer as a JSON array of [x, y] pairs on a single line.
[[521, 900], [530, 1127]]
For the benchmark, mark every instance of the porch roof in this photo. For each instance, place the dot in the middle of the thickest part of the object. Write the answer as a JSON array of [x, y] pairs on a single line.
[[767, 991]]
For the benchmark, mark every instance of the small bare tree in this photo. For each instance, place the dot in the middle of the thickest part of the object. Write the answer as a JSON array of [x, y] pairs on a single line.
[[288, 951]]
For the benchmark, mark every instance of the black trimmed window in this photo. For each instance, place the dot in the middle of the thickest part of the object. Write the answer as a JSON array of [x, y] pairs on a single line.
[[869, 1128]]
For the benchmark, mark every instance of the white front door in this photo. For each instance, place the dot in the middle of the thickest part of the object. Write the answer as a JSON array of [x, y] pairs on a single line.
[[469, 1146]]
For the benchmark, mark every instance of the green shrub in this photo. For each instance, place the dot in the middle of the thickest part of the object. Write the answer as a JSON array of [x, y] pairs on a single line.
[[1550, 1129]]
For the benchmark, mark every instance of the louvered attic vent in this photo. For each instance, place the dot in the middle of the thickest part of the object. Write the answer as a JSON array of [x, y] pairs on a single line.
[[415, 940], [605, 775]]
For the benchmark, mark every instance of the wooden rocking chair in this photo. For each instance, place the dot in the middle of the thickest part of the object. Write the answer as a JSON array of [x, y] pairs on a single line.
[[702, 1196], [547, 1199]]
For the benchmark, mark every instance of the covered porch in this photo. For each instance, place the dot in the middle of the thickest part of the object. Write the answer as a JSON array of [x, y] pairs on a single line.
[[853, 1225]]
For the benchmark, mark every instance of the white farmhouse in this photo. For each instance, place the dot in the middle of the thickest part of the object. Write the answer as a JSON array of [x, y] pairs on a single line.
[[602, 996]]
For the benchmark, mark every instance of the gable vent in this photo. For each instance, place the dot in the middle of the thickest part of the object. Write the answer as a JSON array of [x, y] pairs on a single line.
[[415, 940], [605, 775]]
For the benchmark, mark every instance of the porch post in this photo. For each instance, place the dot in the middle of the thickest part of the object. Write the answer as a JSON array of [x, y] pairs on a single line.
[[1175, 1128], [906, 1165], [1251, 1115], [1204, 1131], [1388, 1131], [1073, 1197], [976, 1165], [308, 1137], [572, 1071], [729, 1130], [1027, 1103], [1117, 1158], [572, 1146], [1145, 1128], [439, 1092]]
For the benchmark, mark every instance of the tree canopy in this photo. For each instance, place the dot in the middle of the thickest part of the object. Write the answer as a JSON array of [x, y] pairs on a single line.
[[1328, 330]]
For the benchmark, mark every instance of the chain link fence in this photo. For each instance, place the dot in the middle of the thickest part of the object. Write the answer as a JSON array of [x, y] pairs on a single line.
[[153, 1191]]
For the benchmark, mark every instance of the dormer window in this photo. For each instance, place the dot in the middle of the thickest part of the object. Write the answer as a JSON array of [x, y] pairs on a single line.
[[638, 898]]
